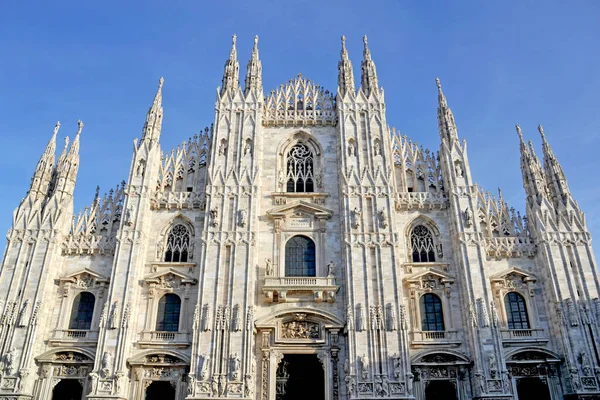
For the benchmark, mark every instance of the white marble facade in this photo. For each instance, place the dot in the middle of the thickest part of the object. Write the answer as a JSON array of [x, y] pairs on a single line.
[[413, 280]]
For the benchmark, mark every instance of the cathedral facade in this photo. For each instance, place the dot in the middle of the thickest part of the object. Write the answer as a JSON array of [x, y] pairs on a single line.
[[299, 248]]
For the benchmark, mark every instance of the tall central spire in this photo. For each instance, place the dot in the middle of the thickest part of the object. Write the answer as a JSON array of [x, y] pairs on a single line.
[[555, 177], [369, 73], [532, 171], [446, 123], [153, 124], [231, 75], [254, 70], [345, 73]]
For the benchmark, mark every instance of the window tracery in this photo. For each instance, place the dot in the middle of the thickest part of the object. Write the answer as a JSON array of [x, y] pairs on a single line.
[[178, 244], [422, 245], [300, 169]]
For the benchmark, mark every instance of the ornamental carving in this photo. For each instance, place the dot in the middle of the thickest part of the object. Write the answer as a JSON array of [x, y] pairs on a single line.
[[300, 330]]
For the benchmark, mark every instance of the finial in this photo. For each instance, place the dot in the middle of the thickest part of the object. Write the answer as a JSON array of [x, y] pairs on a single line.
[[161, 81], [365, 40], [56, 127], [256, 40], [438, 84], [79, 126], [66, 143], [343, 40], [97, 195], [233, 39], [519, 132], [541, 130]]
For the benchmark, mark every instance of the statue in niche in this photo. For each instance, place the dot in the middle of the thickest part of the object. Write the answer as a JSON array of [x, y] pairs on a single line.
[[141, 167], [468, 217], [235, 365], [351, 149], [458, 168], [281, 178], [223, 147], [397, 366], [331, 269], [248, 148], [440, 250], [11, 358], [268, 267], [204, 369], [364, 366], [214, 215], [356, 214], [243, 218], [319, 179], [106, 364], [350, 385], [346, 366], [383, 219], [377, 148]]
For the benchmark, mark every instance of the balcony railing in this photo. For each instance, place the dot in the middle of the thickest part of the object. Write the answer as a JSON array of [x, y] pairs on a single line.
[[434, 337], [524, 335], [73, 335], [176, 339], [322, 288]]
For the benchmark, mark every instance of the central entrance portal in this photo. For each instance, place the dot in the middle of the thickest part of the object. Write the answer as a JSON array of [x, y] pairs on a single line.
[[300, 376]]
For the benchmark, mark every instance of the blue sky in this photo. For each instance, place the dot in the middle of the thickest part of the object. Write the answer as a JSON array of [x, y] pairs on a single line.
[[500, 63]]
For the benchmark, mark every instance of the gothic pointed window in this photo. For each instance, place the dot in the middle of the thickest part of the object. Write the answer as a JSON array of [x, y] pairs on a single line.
[[169, 307], [300, 169], [178, 243], [421, 241], [516, 311], [82, 311], [300, 257], [432, 316]]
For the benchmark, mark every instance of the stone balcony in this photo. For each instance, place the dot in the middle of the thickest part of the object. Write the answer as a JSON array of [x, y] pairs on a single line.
[[82, 337], [419, 338], [522, 336], [276, 290], [165, 339]]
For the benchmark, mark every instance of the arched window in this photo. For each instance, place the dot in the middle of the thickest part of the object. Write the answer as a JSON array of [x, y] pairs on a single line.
[[82, 311], [168, 313], [432, 316], [178, 244], [421, 242], [300, 257], [300, 169], [516, 311]]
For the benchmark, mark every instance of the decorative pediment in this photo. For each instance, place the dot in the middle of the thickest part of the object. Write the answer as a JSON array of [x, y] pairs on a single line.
[[85, 278], [430, 279], [512, 279], [300, 208], [170, 279]]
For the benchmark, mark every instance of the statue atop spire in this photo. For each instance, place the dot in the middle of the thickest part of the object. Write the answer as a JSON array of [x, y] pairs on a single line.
[[254, 71], [345, 73], [369, 80], [153, 124], [231, 75], [446, 123]]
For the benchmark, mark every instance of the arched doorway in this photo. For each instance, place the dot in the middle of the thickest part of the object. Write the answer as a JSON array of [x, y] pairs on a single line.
[[160, 390], [440, 390], [67, 389], [532, 388], [300, 376]]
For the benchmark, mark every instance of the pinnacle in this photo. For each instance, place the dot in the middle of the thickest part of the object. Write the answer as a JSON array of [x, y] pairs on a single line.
[[541, 131]]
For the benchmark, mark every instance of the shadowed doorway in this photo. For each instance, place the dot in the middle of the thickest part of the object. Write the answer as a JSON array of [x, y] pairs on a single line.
[[300, 376], [67, 389], [440, 390], [532, 389], [160, 390]]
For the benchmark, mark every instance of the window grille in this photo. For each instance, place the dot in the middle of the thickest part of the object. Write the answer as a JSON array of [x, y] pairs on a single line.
[[168, 313], [83, 311], [178, 243], [516, 311], [300, 257], [432, 316], [300, 169], [421, 241]]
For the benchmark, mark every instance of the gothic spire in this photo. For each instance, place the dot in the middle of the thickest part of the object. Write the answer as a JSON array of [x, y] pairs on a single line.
[[345, 73], [531, 169], [446, 123], [153, 124], [43, 171], [67, 166], [254, 70], [369, 73], [555, 177], [231, 75]]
